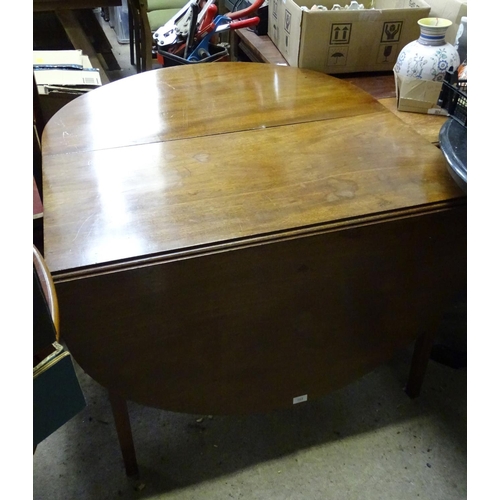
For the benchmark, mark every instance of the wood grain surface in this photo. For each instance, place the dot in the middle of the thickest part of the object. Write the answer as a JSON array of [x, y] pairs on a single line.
[[200, 100], [250, 329], [426, 125], [226, 237], [181, 158]]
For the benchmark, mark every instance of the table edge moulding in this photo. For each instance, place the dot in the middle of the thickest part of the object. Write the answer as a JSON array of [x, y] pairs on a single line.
[[251, 234]]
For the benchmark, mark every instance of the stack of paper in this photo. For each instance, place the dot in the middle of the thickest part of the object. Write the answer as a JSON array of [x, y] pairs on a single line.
[[67, 71]]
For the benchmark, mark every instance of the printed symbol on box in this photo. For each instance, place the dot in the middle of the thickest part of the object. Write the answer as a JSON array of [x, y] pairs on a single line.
[[387, 53], [337, 56], [341, 34], [288, 20], [391, 31]]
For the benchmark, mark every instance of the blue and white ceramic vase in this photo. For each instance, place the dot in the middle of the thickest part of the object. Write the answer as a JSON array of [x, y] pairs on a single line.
[[461, 40], [429, 57]]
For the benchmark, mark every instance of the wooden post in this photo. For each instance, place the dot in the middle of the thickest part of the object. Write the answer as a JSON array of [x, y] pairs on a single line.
[[124, 431], [421, 355]]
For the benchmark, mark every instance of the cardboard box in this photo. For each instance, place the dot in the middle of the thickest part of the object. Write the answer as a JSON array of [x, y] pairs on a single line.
[[418, 96], [453, 10], [59, 59], [61, 76], [64, 71], [345, 41]]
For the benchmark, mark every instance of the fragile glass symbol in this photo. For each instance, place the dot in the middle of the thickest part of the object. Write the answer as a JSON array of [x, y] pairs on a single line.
[[387, 52]]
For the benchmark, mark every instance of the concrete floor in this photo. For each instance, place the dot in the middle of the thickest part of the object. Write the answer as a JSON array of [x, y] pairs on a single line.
[[366, 441]]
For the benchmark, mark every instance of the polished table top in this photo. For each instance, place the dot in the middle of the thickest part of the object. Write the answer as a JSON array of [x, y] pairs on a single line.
[[181, 159], [239, 237]]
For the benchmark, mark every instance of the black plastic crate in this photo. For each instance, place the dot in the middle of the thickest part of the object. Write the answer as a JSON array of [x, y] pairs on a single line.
[[215, 53], [453, 97]]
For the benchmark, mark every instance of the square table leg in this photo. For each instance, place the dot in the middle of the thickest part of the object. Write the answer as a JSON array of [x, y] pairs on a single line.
[[421, 355], [124, 431]]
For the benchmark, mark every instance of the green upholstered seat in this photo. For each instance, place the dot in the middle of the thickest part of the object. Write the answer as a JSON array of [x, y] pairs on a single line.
[[158, 18], [165, 4], [161, 11], [145, 17]]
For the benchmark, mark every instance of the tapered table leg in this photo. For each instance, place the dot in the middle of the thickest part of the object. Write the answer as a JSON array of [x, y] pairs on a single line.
[[421, 355], [124, 431]]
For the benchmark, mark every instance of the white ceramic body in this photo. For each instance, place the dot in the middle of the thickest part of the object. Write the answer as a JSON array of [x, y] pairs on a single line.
[[429, 57], [461, 40]]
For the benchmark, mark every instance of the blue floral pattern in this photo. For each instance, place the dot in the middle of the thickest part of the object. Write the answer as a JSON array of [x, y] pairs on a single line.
[[416, 61]]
